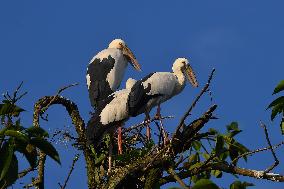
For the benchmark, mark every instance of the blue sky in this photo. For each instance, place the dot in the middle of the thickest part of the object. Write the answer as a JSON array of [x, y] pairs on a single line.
[[48, 44]]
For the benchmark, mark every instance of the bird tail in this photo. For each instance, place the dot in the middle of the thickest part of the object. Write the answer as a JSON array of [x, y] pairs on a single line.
[[94, 131]]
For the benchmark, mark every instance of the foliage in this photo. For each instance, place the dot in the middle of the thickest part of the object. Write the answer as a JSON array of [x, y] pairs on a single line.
[[277, 105], [193, 154], [16, 138]]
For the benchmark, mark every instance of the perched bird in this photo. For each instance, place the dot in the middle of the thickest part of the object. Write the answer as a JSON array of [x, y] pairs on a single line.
[[159, 87], [110, 115], [106, 70]]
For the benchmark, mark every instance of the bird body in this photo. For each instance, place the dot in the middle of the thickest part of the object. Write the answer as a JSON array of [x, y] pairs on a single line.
[[106, 70], [112, 111], [159, 87], [115, 70]]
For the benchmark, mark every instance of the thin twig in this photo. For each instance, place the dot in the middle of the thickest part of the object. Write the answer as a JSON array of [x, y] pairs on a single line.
[[187, 113], [178, 179], [142, 124], [256, 151], [70, 172], [25, 172], [276, 161], [57, 94]]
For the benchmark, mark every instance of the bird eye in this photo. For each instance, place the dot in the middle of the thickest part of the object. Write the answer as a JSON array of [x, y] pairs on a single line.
[[120, 43]]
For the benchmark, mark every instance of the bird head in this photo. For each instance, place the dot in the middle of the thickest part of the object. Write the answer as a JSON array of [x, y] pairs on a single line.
[[182, 64], [120, 44], [129, 83]]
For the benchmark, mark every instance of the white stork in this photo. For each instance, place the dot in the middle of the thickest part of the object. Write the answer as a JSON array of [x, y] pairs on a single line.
[[110, 114], [106, 70], [159, 87]]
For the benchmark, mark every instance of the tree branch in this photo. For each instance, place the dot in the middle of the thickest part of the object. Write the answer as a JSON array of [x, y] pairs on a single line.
[[225, 167], [76, 158], [181, 123], [276, 161]]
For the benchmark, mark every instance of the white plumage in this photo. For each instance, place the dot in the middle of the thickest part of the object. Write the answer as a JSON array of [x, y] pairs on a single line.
[[106, 70], [117, 109], [158, 87]]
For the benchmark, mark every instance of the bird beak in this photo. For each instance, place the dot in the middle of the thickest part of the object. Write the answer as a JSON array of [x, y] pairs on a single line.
[[131, 58], [191, 76]]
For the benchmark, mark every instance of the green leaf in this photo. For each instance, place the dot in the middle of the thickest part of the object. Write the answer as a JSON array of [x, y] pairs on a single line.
[[37, 132], [206, 156], [240, 185], [196, 145], [282, 126], [217, 173], [276, 110], [213, 131], [194, 158], [12, 173], [29, 152], [10, 109], [279, 100], [279, 87], [233, 152], [17, 134], [219, 144], [233, 127], [6, 158], [46, 147], [205, 184]]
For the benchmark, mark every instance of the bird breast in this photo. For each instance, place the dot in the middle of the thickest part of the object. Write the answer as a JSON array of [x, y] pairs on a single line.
[[115, 75]]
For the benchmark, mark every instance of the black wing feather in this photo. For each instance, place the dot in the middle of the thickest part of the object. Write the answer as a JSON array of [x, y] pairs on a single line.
[[99, 88], [138, 97]]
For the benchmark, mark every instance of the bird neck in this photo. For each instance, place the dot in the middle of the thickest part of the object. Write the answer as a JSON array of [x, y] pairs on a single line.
[[181, 80]]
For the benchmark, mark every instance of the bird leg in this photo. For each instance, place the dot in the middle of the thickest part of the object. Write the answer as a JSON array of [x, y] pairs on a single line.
[[147, 122], [119, 139], [158, 114], [159, 117], [110, 155]]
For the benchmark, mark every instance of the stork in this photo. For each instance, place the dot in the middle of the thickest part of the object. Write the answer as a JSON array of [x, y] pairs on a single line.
[[106, 69], [159, 87], [110, 114]]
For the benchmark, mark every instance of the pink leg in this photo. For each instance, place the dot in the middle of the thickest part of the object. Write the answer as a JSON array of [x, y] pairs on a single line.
[[158, 114], [119, 140], [148, 130], [110, 155]]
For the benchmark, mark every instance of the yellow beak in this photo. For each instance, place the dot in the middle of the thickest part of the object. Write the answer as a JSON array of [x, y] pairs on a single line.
[[131, 58], [191, 76]]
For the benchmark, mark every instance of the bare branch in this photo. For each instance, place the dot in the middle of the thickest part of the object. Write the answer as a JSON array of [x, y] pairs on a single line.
[[276, 161], [70, 172], [256, 151], [25, 172], [181, 123], [176, 177], [228, 168], [142, 124]]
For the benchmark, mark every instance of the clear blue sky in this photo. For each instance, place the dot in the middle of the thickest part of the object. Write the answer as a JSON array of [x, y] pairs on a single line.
[[48, 44]]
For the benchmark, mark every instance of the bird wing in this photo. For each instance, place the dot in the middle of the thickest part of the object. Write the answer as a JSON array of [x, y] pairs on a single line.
[[139, 96], [111, 111], [95, 130], [162, 83], [98, 85]]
